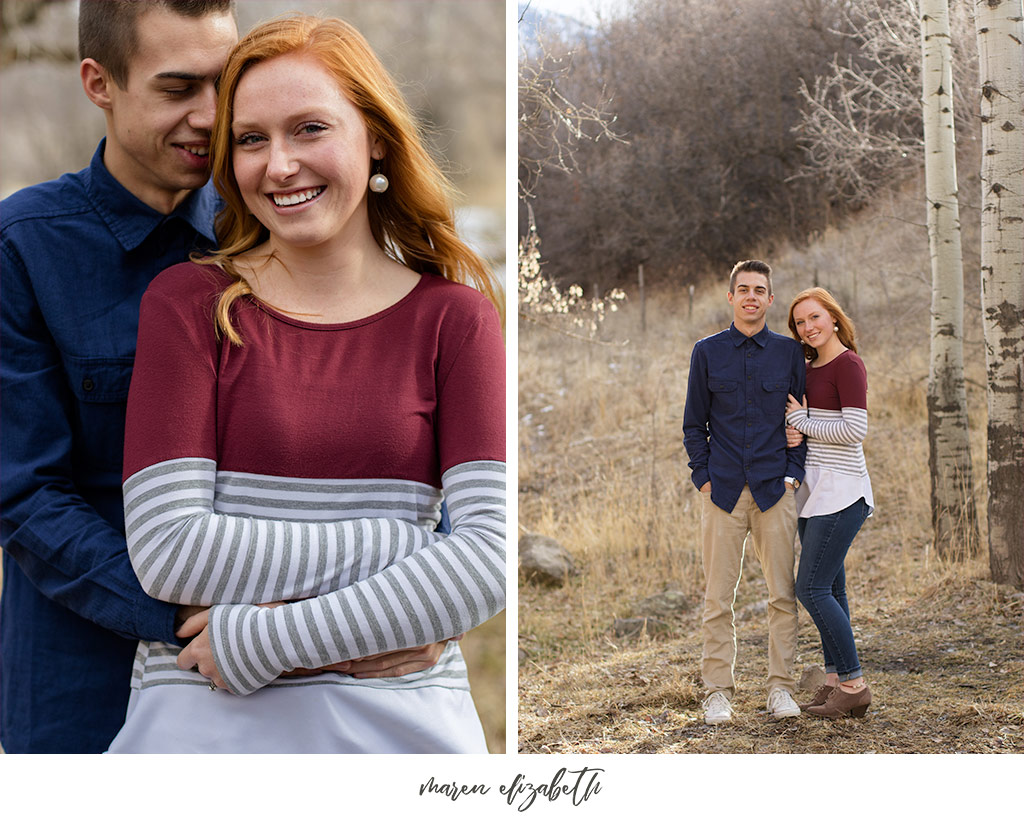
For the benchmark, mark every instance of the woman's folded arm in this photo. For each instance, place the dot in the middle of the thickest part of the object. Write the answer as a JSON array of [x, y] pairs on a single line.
[[849, 427], [185, 553], [450, 586]]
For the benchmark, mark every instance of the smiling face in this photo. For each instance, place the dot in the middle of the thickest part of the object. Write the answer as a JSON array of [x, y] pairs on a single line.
[[750, 301], [158, 126], [302, 154], [813, 323]]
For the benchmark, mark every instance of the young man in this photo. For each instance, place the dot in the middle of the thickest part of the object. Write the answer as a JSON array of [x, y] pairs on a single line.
[[734, 434], [76, 255]]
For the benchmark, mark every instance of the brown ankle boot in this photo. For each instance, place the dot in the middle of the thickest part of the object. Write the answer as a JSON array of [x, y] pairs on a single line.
[[841, 704], [820, 697]]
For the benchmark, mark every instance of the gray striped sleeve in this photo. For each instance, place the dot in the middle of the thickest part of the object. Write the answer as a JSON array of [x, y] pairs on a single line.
[[848, 427], [185, 552], [447, 588]]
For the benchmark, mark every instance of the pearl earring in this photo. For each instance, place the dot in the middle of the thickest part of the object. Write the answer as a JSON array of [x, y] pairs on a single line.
[[378, 182], [834, 328]]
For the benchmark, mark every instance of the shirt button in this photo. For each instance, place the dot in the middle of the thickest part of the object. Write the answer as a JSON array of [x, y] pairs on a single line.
[[88, 384]]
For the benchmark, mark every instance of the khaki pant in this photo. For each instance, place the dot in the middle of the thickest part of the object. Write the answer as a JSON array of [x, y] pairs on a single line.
[[725, 534]]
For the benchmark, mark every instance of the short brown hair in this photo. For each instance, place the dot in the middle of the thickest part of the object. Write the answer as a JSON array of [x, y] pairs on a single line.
[[757, 266], [107, 31]]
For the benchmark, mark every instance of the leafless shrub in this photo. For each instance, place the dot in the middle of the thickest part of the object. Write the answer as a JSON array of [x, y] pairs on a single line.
[[707, 96], [542, 300]]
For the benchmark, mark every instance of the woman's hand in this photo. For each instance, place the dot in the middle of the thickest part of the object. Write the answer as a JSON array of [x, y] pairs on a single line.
[[793, 437], [792, 404], [198, 654]]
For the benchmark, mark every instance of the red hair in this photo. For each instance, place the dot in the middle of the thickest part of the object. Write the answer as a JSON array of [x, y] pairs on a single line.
[[413, 222], [847, 332]]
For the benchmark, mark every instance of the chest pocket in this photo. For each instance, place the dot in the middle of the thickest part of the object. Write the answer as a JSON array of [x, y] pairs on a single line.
[[725, 396], [100, 388], [776, 391]]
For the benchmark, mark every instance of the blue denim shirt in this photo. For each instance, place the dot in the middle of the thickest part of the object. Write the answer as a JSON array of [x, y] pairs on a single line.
[[735, 415], [76, 254]]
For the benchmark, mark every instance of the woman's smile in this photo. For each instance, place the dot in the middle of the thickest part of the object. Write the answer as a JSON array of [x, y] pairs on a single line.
[[296, 198], [813, 323], [302, 155]]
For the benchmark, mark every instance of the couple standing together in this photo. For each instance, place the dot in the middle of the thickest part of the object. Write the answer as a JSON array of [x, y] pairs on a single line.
[[759, 476], [312, 380]]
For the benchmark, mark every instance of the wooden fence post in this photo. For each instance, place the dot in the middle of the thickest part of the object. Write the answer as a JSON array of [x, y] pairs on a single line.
[[643, 299]]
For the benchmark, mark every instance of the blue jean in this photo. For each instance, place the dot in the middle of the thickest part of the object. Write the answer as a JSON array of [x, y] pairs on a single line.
[[821, 583]]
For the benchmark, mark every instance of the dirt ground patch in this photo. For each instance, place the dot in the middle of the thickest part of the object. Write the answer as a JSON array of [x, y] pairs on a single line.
[[946, 670]]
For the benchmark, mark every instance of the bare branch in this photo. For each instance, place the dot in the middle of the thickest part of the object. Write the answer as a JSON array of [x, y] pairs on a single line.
[[551, 122], [862, 122]]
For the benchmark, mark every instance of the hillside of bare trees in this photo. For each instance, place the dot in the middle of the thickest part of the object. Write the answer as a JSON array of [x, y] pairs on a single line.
[[739, 122]]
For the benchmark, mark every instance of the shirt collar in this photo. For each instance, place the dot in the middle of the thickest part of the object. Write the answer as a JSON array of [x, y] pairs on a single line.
[[130, 220], [737, 337]]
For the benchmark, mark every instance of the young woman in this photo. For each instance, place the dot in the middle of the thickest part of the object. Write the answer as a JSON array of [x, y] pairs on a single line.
[[301, 405], [835, 497]]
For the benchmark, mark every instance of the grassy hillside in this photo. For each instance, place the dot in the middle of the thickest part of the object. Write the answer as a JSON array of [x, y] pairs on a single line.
[[602, 469]]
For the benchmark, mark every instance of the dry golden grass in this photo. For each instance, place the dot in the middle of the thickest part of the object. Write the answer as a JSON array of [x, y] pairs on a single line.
[[602, 469]]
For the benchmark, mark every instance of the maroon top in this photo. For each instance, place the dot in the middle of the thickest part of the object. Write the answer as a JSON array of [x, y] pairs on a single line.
[[843, 381], [406, 393]]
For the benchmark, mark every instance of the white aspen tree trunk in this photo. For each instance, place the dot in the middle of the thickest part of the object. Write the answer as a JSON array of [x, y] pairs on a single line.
[[1001, 72], [952, 500]]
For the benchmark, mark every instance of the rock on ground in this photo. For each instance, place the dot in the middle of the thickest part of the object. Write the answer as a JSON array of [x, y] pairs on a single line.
[[667, 604], [635, 627], [543, 560]]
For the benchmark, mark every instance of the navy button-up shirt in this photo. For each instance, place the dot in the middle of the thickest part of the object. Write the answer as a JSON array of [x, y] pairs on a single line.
[[735, 415], [76, 254]]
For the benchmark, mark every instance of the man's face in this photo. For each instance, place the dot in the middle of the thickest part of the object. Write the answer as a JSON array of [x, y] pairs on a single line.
[[158, 134], [750, 300]]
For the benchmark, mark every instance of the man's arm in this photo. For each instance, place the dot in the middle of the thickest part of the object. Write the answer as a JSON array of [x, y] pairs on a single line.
[[69, 552], [696, 416], [795, 455]]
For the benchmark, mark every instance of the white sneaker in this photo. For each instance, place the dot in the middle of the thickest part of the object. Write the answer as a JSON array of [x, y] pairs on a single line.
[[781, 704], [717, 709]]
